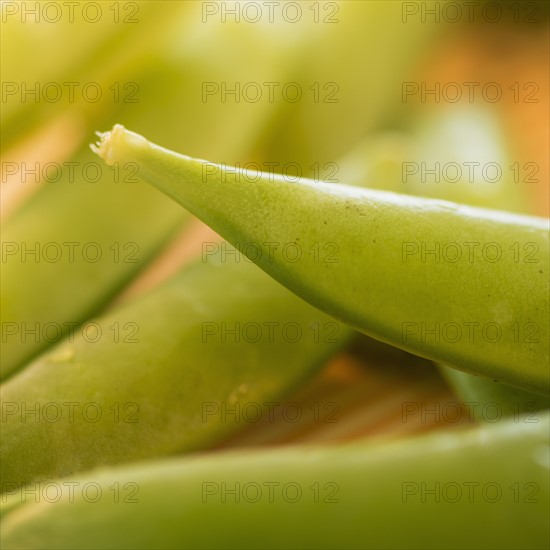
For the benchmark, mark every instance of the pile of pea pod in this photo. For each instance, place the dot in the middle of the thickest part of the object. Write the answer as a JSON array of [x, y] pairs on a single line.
[[125, 375]]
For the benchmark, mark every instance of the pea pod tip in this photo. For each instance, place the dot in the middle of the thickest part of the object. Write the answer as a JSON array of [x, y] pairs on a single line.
[[114, 144], [104, 146]]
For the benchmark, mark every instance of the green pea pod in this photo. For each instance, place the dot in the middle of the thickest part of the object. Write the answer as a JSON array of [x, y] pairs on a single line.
[[176, 370], [445, 491], [71, 248], [399, 161], [366, 276]]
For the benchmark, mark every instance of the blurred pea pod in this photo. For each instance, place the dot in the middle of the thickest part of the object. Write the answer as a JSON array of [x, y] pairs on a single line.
[[221, 70], [454, 154], [458, 154], [367, 278], [490, 400], [445, 490], [117, 215], [93, 76], [351, 78], [71, 249], [200, 57], [163, 373]]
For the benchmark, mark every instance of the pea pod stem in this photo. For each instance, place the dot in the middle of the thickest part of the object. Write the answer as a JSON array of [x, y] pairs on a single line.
[[492, 479], [372, 285]]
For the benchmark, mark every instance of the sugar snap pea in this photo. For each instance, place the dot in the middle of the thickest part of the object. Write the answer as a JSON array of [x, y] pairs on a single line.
[[484, 488], [175, 370], [384, 162], [380, 281], [70, 249]]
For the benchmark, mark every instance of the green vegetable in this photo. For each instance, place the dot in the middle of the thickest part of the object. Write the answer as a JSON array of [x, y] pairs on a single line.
[[438, 140], [164, 373], [374, 275], [483, 488], [71, 248]]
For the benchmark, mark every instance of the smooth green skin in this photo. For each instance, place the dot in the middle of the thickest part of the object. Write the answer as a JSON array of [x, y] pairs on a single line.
[[374, 485], [175, 374], [371, 287], [438, 136], [436, 139], [72, 289]]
